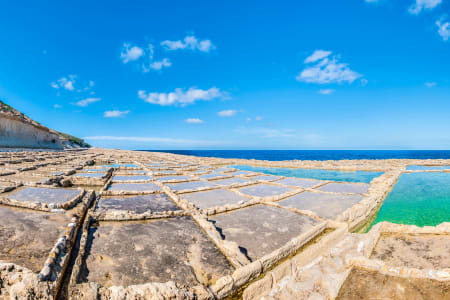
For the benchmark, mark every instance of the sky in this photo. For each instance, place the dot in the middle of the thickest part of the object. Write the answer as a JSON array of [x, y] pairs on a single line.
[[348, 74]]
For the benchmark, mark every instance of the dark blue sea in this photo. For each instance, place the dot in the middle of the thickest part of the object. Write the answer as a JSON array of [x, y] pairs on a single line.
[[277, 155]]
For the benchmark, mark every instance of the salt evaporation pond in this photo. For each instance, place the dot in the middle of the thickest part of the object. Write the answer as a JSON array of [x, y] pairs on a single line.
[[347, 176], [421, 199], [427, 168]]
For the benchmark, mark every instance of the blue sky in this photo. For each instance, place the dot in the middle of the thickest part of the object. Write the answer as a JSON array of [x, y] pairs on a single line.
[[232, 74]]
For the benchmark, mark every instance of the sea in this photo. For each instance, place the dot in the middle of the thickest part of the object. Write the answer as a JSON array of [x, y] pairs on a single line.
[[279, 155]]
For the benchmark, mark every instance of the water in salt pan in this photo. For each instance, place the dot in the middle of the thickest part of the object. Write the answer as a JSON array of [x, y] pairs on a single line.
[[421, 199], [348, 176]]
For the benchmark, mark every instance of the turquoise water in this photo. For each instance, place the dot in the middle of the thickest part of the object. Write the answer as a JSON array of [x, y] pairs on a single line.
[[421, 199], [427, 168], [356, 176]]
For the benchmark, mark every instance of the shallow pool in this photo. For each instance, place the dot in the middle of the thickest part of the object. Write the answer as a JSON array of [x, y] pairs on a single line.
[[427, 168], [421, 199], [348, 176]]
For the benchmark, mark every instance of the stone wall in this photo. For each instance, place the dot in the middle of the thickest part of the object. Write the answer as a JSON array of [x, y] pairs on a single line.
[[15, 133]]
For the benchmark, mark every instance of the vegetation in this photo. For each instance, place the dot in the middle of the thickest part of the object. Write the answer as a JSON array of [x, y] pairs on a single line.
[[75, 140]]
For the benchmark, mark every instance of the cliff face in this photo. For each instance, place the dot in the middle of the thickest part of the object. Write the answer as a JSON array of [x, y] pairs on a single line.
[[18, 134], [19, 131]]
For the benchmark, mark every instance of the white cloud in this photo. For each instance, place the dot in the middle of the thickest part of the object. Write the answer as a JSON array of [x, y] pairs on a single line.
[[158, 65], [326, 91], [157, 140], [189, 42], [193, 121], [130, 53], [87, 101], [57, 106], [258, 118], [67, 83], [135, 53], [227, 113], [420, 5], [430, 84], [181, 97], [326, 70], [317, 55], [115, 113], [444, 29]]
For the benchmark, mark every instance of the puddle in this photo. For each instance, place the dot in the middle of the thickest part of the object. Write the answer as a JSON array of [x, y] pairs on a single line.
[[348, 176]]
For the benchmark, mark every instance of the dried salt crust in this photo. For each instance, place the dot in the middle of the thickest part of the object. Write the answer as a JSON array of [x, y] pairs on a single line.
[[245, 272]]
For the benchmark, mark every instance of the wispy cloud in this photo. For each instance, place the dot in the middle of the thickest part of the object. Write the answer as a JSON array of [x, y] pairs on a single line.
[[180, 96], [130, 53], [57, 106], [258, 118], [227, 113], [317, 55], [145, 57], [430, 84], [189, 42], [158, 140], [326, 91], [115, 113], [322, 69], [444, 29], [87, 101], [158, 65], [193, 121], [266, 132], [420, 5], [67, 83]]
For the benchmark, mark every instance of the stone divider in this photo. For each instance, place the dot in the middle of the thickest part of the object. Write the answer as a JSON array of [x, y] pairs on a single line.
[[309, 255], [58, 258]]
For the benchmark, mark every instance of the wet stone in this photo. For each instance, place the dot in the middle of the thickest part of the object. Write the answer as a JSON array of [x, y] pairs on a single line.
[[26, 236], [138, 204], [424, 251], [261, 229], [96, 170], [132, 178], [359, 188], [177, 178], [264, 190], [233, 180], [154, 251], [213, 176], [265, 177], [213, 198], [90, 175], [130, 172], [43, 195], [190, 185], [324, 205], [299, 182], [163, 172], [224, 170], [134, 187], [240, 172]]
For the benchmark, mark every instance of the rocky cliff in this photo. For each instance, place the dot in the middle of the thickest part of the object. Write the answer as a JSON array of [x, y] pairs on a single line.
[[19, 131]]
